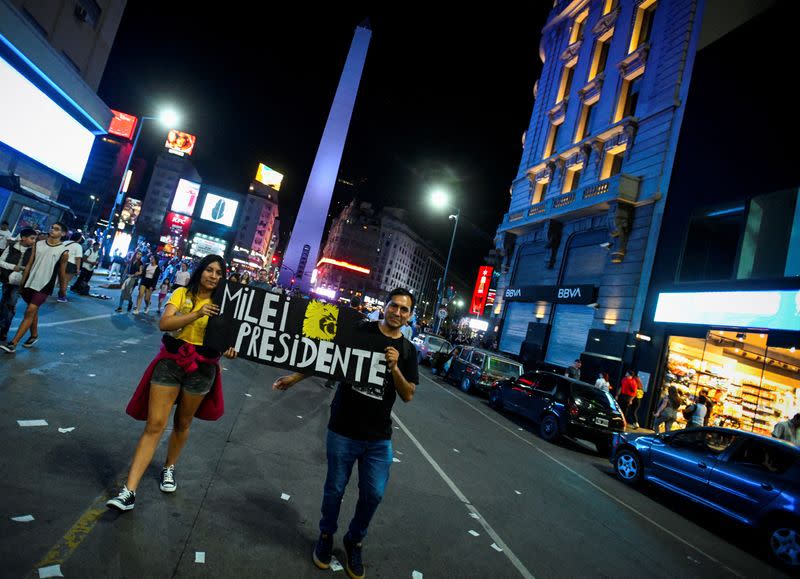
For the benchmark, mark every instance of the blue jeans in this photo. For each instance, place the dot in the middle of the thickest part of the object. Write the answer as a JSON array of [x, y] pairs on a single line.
[[8, 307], [374, 460]]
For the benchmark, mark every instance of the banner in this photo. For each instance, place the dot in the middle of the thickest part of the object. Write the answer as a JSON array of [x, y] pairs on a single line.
[[301, 335]]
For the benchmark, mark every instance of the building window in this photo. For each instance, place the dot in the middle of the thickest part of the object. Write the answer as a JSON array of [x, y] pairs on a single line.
[[609, 5], [572, 179], [612, 163], [642, 24], [552, 137], [628, 98], [712, 243], [585, 121], [578, 26], [599, 58], [771, 238], [566, 83], [539, 191]]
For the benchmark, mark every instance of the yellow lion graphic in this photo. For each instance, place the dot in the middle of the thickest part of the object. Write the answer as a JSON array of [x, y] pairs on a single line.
[[320, 321]]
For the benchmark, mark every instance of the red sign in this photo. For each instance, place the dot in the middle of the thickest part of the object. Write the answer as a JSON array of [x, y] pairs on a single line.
[[122, 124], [180, 143], [177, 225], [481, 290]]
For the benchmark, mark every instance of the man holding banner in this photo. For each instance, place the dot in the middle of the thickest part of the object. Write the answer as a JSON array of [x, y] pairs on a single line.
[[360, 426]]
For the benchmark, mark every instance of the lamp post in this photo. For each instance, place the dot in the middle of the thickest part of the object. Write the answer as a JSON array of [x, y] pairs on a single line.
[[167, 117], [91, 210], [440, 200]]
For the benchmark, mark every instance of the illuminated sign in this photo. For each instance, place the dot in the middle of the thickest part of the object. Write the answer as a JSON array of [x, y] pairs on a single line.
[[773, 310], [478, 325], [36, 126], [269, 177], [481, 291], [122, 124], [323, 291], [218, 209], [343, 264], [180, 143], [203, 245], [130, 211], [186, 195]]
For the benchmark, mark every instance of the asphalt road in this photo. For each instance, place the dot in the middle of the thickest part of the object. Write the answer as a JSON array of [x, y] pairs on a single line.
[[473, 493]]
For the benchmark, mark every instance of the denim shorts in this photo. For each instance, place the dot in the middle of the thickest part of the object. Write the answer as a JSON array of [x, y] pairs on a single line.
[[169, 373]]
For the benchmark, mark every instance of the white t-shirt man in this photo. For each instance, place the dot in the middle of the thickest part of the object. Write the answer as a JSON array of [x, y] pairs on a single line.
[[75, 252], [43, 271], [90, 259], [182, 278]]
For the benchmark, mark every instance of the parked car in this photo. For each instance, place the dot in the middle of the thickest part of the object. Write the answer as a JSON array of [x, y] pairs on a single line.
[[561, 406], [428, 345], [473, 367], [750, 478]]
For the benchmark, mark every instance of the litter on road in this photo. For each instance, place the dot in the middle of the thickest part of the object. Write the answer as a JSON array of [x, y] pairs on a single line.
[[200, 557], [285, 497], [51, 571], [335, 565], [496, 548], [65, 430], [474, 533], [23, 519]]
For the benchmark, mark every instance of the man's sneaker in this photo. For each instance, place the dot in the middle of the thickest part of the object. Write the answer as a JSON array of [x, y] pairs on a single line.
[[323, 551], [118, 310], [62, 299], [147, 309], [124, 501], [135, 311], [30, 341], [10, 347], [168, 484], [354, 566]]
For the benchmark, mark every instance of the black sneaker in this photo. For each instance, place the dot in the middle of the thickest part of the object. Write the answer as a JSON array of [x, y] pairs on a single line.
[[323, 551], [354, 566], [118, 310], [30, 341], [168, 484], [124, 501], [10, 347]]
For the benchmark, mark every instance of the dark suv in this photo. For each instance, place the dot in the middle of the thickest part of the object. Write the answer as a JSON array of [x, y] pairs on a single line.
[[472, 367], [561, 406]]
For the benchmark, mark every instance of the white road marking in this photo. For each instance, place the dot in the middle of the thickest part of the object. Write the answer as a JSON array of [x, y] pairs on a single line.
[[75, 321], [589, 482], [470, 507]]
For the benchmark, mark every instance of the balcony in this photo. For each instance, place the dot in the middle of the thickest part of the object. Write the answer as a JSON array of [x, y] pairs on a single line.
[[592, 199]]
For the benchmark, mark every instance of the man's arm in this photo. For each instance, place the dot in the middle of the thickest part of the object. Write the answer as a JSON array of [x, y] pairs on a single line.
[[62, 271], [405, 389], [27, 271], [286, 382], [5, 264]]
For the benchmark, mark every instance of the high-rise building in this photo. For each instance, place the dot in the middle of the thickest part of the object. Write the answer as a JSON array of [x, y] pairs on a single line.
[[168, 170], [52, 56], [579, 236], [257, 235]]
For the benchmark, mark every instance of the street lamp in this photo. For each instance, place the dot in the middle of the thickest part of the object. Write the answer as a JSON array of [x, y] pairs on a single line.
[[440, 200], [168, 118], [89, 218]]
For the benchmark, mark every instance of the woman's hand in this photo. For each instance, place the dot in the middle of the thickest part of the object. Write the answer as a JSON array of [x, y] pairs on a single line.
[[230, 353], [286, 382], [208, 310]]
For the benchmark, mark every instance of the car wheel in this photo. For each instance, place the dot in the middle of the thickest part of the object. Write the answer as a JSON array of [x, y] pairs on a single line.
[[496, 398], [466, 385], [628, 466], [549, 428], [603, 447], [783, 542]]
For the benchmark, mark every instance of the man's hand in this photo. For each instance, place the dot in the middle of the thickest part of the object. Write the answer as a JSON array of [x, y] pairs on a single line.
[[286, 382], [392, 356], [230, 353]]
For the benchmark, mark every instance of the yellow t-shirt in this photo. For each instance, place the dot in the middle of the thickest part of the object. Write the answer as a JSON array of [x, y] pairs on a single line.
[[196, 331]]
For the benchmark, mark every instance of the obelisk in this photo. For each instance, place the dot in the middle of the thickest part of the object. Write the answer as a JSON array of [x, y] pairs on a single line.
[[300, 256]]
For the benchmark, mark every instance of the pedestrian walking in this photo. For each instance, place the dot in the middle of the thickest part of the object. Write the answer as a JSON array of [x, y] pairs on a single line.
[[184, 371], [695, 413], [788, 430], [667, 411], [182, 277], [627, 391], [130, 278], [574, 371], [47, 264], [636, 401], [75, 250], [162, 294], [13, 260], [147, 284], [601, 382], [360, 430]]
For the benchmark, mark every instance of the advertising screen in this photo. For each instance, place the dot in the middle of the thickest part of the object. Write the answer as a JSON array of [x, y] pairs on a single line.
[[481, 291], [219, 209], [36, 126], [203, 245], [180, 143], [31, 218], [186, 196], [269, 177], [130, 211], [122, 124]]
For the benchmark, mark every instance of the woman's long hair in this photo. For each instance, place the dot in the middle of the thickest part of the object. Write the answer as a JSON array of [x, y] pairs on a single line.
[[193, 287]]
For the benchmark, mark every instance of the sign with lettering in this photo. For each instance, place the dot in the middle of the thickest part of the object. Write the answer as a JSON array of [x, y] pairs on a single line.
[[301, 335], [567, 294], [481, 291]]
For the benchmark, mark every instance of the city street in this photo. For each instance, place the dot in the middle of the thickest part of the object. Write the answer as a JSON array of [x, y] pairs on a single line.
[[473, 493]]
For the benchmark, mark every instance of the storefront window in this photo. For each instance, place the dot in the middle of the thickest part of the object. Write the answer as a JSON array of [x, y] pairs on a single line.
[[751, 386]]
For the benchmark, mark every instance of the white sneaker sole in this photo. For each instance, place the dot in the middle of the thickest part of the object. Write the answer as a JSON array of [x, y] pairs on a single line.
[[168, 489], [119, 505]]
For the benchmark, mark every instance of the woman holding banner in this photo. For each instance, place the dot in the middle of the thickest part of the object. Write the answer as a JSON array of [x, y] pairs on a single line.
[[184, 372]]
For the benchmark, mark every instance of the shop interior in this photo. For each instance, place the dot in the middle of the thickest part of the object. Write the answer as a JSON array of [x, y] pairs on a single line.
[[753, 386]]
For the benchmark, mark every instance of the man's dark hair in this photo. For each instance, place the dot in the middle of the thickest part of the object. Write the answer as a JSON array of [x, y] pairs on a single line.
[[27, 232], [61, 225], [77, 236], [4, 223], [355, 301], [402, 292]]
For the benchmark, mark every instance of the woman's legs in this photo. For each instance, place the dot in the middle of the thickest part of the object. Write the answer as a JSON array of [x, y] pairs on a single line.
[[161, 400], [148, 294], [187, 406], [139, 298]]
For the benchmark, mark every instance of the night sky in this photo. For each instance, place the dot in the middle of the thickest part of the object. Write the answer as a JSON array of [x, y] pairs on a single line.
[[444, 100]]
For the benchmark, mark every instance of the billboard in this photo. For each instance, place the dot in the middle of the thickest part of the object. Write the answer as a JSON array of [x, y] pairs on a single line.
[[186, 196], [130, 211], [32, 218], [33, 124], [481, 291], [180, 143], [219, 209], [122, 124], [203, 245], [269, 177]]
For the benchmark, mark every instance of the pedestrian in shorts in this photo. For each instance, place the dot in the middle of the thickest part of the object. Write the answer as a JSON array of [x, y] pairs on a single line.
[[12, 264]]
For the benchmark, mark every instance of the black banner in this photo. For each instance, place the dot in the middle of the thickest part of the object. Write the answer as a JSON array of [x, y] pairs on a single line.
[[301, 335]]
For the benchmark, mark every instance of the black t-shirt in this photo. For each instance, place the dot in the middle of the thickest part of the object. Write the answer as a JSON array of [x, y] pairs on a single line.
[[364, 413]]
